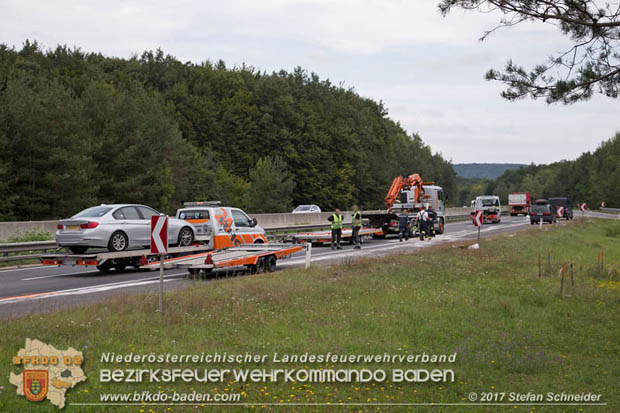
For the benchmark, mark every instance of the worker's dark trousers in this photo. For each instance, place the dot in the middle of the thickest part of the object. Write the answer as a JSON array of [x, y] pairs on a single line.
[[403, 232], [356, 235], [423, 230], [336, 235]]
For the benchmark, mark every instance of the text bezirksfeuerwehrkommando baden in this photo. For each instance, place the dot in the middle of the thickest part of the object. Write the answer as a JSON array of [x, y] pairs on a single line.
[[216, 358]]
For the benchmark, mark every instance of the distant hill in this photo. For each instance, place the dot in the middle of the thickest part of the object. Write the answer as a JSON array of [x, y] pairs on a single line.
[[483, 170]]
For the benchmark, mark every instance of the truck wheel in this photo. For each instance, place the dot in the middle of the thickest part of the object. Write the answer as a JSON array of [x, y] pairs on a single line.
[[119, 267], [270, 264], [186, 237], [78, 250], [118, 242], [441, 228], [105, 267]]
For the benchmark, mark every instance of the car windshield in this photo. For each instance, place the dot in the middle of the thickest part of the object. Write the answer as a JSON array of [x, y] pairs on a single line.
[[194, 214], [93, 212], [303, 208]]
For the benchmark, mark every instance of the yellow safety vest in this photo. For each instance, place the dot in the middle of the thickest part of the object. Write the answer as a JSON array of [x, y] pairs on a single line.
[[357, 215], [337, 222]]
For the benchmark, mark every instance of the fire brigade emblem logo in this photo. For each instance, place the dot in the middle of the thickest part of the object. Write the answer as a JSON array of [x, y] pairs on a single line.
[[35, 384]]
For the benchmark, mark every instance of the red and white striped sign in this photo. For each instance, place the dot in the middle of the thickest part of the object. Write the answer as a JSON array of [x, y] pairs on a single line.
[[478, 219], [583, 206], [560, 212], [159, 234]]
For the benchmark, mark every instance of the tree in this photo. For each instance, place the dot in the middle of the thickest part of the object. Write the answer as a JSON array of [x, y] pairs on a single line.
[[271, 186], [48, 153], [591, 65]]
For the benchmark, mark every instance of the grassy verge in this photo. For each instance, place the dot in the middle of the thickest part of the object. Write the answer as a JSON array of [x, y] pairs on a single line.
[[512, 330]]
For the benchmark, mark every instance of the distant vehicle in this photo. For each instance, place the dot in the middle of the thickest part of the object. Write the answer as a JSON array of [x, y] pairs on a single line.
[[117, 227], [542, 210], [519, 203], [307, 209], [227, 226], [491, 209], [564, 203]]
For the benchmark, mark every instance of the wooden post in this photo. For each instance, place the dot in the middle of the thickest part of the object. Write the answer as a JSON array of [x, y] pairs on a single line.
[[539, 265], [548, 260], [562, 279], [572, 279]]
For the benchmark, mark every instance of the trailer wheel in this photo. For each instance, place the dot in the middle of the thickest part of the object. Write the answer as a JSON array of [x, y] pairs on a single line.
[[270, 265], [259, 267], [105, 267]]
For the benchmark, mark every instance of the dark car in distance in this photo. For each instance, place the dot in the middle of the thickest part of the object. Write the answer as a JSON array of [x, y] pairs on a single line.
[[542, 210], [565, 203]]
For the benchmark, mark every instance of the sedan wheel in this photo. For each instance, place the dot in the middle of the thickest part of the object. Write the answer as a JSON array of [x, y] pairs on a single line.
[[186, 237], [118, 242]]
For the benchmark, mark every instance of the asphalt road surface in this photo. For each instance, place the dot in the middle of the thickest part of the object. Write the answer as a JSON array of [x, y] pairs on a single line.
[[40, 289]]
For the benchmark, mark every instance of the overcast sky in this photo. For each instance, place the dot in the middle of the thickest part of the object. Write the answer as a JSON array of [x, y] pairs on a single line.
[[427, 70]]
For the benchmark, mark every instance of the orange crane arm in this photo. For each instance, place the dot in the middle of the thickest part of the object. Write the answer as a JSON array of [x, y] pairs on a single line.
[[400, 183]]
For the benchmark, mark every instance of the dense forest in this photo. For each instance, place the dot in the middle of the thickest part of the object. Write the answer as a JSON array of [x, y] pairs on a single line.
[[483, 170], [78, 129], [594, 177]]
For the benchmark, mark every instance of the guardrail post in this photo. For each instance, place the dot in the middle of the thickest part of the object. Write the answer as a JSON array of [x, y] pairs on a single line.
[[308, 253]]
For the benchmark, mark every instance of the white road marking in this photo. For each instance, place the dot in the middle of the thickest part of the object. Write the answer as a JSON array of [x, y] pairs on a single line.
[[88, 290]]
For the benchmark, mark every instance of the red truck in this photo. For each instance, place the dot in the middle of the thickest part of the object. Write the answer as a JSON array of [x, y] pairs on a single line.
[[519, 203]]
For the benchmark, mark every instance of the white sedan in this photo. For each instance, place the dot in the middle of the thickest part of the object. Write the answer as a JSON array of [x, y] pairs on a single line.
[[117, 227]]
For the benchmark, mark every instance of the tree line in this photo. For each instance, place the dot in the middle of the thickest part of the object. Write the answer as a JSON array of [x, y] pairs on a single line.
[[81, 128], [593, 177]]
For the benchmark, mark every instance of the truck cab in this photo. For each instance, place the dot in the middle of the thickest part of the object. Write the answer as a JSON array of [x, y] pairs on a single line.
[[433, 196], [223, 227], [491, 209]]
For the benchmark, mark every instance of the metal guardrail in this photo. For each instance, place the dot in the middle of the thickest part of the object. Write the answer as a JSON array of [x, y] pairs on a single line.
[[7, 249], [611, 210], [10, 248]]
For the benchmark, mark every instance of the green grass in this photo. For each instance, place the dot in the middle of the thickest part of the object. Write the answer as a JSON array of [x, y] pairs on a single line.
[[513, 331], [30, 236]]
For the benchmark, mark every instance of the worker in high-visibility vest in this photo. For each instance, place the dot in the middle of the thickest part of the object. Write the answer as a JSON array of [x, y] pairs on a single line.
[[336, 220], [356, 223]]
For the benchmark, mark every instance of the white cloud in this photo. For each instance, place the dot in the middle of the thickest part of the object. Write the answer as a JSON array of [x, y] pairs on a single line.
[[428, 70]]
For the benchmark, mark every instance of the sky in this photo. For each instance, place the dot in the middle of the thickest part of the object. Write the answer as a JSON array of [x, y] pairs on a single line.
[[427, 70]]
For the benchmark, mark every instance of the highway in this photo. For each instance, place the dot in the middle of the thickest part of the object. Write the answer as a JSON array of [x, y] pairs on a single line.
[[40, 289]]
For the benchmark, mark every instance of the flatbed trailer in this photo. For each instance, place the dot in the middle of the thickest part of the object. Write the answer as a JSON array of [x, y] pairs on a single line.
[[319, 237], [257, 258], [105, 260]]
